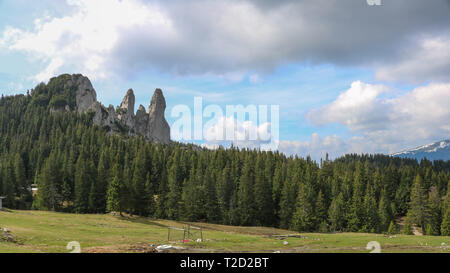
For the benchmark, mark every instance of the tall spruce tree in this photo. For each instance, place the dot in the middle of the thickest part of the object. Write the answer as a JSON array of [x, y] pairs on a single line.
[[49, 194], [445, 226], [83, 181], [321, 211], [435, 212], [287, 201], [263, 194], [336, 213], [303, 218], [418, 212], [211, 204], [246, 197], [140, 191], [371, 218], [384, 212], [175, 190], [115, 202]]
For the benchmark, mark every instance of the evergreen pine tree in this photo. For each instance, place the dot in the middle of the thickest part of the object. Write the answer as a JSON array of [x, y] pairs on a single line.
[[224, 193], [445, 226], [49, 196], [211, 204], [175, 190], [140, 192], [435, 212], [336, 213], [263, 195], [246, 198], [114, 202], [384, 212], [356, 219], [82, 185], [371, 218], [22, 184], [321, 212], [303, 218], [392, 229], [287, 201], [418, 212]]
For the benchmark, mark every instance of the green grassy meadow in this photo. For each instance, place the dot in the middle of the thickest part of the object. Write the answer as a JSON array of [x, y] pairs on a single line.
[[39, 231]]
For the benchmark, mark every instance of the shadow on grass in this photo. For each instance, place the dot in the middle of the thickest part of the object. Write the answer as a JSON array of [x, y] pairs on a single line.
[[141, 220]]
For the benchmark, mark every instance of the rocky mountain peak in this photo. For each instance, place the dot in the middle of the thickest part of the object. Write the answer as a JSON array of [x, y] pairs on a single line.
[[158, 103], [141, 109], [128, 102], [157, 125], [85, 94], [151, 125]]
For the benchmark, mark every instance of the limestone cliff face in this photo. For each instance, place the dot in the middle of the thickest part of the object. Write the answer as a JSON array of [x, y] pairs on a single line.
[[85, 94], [126, 110], [152, 125], [157, 124], [141, 121]]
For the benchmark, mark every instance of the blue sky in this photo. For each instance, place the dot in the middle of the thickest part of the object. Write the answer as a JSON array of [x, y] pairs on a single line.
[[348, 77]]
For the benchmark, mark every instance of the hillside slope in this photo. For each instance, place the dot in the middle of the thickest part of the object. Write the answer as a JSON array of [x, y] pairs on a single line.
[[37, 231], [76, 166]]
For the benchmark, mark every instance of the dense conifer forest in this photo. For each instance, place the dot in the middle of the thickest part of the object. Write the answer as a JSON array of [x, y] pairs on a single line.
[[81, 168]]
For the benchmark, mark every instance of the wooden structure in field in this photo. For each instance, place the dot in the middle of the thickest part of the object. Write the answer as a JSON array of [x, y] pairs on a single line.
[[1, 199], [185, 234]]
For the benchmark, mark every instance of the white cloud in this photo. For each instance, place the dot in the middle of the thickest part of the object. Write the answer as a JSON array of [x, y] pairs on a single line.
[[389, 125], [357, 108], [83, 40], [429, 62], [232, 38]]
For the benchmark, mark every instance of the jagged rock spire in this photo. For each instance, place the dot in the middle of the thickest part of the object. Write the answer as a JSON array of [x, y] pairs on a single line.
[[128, 102], [126, 110], [158, 128], [151, 125]]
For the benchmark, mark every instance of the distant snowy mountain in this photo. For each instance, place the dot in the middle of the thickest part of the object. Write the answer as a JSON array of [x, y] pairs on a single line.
[[433, 151]]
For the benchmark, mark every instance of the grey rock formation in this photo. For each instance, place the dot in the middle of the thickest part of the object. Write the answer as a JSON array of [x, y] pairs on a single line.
[[126, 111], [158, 128], [152, 125], [128, 102], [85, 94], [105, 117], [141, 121]]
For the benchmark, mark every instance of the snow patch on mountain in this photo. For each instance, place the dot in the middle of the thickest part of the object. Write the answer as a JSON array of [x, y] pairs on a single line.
[[434, 151]]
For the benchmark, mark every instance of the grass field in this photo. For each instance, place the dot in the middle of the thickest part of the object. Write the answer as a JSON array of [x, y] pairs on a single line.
[[38, 231]]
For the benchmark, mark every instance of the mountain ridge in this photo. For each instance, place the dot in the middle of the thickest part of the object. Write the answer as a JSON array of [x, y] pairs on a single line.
[[439, 150], [152, 125]]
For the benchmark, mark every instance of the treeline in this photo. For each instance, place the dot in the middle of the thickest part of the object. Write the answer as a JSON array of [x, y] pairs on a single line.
[[79, 167]]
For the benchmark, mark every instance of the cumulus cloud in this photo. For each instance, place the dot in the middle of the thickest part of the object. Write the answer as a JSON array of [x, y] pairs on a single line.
[[84, 39], [358, 108], [237, 37], [386, 125]]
